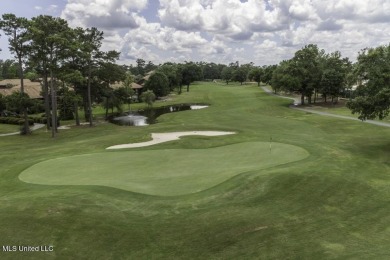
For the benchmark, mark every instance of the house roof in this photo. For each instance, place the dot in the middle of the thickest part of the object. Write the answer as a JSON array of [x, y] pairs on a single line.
[[147, 75], [136, 86], [33, 89], [133, 85]]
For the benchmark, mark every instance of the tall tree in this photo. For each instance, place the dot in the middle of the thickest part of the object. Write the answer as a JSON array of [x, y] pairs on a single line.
[[170, 70], [141, 66], [268, 70], [256, 74], [158, 83], [247, 68], [127, 82], [9, 69], [211, 71], [373, 92], [72, 78], [190, 73], [39, 58], [306, 66], [334, 74], [66, 103], [240, 74], [91, 56], [115, 98], [227, 74], [109, 73], [283, 77], [16, 28], [150, 67], [50, 44]]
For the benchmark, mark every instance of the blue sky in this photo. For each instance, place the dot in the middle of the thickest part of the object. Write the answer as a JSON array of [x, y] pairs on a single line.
[[259, 31]]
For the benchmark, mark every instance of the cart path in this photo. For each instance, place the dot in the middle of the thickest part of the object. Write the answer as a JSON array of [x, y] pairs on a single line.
[[34, 127], [297, 101]]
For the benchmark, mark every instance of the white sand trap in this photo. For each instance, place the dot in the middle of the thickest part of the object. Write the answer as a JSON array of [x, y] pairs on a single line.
[[64, 127], [166, 137]]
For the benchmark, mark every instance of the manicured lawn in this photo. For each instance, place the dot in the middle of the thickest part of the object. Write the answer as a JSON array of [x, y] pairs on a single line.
[[5, 128], [333, 204], [340, 110], [166, 174]]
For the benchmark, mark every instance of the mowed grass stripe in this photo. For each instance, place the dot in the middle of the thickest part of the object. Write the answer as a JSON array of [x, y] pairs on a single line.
[[162, 172]]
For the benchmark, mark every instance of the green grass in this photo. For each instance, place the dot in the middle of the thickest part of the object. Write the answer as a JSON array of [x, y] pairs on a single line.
[[333, 204], [5, 128], [342, 110], [165, 175]]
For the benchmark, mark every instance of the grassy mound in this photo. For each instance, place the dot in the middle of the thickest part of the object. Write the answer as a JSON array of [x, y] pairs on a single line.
[[162, 172]]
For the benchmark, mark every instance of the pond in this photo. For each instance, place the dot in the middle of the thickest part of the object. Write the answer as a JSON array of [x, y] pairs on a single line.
[[149, 116]]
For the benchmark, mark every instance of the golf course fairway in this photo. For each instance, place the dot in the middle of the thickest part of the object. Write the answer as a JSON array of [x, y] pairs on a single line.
[[173, 171], [323, 192]]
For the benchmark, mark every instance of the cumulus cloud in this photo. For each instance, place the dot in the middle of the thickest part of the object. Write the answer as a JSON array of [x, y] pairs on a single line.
[[373, 11], [151, 38], [235, 19], [329, 25], [103, 13], [215, 47], [132, 53], [164, 38], [270, 52], [227, 30]]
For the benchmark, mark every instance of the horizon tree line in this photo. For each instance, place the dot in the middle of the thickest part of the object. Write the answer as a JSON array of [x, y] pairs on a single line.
[[64, 57]]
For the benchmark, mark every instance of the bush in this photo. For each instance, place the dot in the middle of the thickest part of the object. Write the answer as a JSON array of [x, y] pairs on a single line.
[[148, 97], [37, 106], [158, 83], [15, 121]]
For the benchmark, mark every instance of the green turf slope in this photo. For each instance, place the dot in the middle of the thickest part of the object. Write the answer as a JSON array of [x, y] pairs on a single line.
[[162, 172]]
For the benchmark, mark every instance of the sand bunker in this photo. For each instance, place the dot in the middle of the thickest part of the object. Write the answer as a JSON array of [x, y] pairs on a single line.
[[166, 137]]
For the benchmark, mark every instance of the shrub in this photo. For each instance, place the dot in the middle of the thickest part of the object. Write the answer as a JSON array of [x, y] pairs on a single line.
[[15, 121], [148, 97]]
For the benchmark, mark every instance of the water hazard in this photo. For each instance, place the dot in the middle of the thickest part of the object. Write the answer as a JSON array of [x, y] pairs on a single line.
[[149, 116]]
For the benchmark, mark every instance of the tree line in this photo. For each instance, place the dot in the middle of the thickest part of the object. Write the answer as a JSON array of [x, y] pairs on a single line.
[[75, 72], [313, 72], [61, 56]]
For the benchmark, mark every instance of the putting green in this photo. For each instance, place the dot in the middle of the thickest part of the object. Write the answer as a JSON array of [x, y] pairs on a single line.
[[162, 172]]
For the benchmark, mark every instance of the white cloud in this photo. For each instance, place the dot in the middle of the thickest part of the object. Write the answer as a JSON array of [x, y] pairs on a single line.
[[270, 52], [103, 13], [373, 11], [302, 10], [132, 53], [165, 38], [235, 19], [227, 30], [215, 47], [112, 41]]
